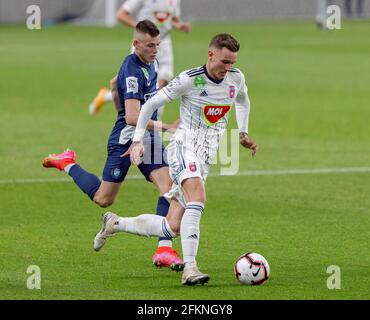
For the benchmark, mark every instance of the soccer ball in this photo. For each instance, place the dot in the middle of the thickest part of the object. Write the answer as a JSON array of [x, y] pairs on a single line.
[[252, 268]]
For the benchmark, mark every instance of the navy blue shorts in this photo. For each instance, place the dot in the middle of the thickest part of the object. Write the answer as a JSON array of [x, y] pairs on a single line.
[[116, 168]]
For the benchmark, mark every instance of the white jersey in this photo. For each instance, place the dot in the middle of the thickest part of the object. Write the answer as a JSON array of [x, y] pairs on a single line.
[[160, 12], [205, 108]]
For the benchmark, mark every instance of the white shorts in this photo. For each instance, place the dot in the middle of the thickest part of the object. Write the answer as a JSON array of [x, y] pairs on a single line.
[[184, 164]]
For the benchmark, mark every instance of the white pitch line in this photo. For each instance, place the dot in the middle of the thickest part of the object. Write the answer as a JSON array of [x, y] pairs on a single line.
[[242, 173], [47, 180], [302, 171]]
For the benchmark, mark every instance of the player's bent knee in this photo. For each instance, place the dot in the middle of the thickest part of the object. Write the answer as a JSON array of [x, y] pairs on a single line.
[[198, 198], [160, 177], [103, 202], [176, 230], [174, 225], [194, 190]]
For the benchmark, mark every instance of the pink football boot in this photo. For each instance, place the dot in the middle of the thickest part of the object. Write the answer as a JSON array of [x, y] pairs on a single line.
[[59, 161], [168, 257]]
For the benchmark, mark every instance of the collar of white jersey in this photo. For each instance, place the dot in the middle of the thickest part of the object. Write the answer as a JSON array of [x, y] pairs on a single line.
[[209, 77]]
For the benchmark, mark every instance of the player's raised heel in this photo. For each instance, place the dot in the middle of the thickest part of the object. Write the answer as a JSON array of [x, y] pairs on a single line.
[[106, 231], [60, 161], [193, 276], [168, 257]]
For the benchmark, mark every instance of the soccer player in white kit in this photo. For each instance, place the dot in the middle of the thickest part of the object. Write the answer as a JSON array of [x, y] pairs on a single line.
[[207, 95], [165, 14]]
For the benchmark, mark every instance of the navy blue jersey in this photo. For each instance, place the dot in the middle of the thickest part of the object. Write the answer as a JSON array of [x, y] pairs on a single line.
[[136, 80]]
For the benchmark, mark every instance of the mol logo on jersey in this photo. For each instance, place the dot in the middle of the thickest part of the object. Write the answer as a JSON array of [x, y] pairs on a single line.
[[214, 113]]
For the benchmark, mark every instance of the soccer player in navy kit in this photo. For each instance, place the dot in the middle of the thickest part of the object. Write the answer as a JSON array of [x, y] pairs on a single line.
[[137, 82]]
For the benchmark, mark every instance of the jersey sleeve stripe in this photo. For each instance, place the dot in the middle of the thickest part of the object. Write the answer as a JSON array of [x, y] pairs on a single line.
[[194, 70], [196, 74]]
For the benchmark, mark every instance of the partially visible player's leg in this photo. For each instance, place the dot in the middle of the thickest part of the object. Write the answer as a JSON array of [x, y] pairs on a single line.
[[102, 193], [107, 193], [147, 224], [165, 256], [155, 169], [161, 178], [103, 96], [66, 161], [189, 174], [194, 193], [321, 13], [143, 225], [114, 173]]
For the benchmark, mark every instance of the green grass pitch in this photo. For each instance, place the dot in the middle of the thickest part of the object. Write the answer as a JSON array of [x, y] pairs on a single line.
[[310, 109]]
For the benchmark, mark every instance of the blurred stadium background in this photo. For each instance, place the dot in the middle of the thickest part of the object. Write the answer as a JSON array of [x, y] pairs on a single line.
[[303, 202], [103, 11]]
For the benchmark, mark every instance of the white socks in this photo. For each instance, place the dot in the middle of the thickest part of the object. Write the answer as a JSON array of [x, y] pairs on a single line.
[[154, 225], [145, 225], [68, 167], [108, 96], [189, 231], [164, 243]]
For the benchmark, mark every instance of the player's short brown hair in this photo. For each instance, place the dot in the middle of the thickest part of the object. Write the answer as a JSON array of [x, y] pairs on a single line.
[[147, 27], [225, 40]]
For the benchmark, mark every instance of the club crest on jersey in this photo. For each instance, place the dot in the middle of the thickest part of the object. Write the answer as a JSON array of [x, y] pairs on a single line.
[[213, 114], [231, 91], [192, 166], [199, 82]]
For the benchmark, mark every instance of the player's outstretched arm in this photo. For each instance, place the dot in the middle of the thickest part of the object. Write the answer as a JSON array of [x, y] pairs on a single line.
[[180, 25], [242, 107], [142, 122], [124, 17], [146, 112], [132, 108]]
